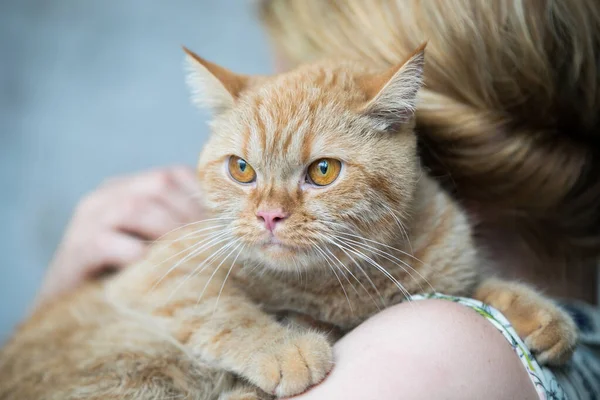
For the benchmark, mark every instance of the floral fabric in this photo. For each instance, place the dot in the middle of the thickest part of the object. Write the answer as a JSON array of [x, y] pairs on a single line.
[[543, 379]]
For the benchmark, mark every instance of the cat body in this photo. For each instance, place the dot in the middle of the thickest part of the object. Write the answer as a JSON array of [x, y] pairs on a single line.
[[318, 208]]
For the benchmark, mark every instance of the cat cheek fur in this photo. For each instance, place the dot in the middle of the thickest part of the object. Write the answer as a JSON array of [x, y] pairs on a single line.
[[222, 194]]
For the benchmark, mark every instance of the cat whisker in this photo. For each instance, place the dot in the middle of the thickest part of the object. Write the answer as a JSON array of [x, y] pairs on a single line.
[[199, 268], [380, 268], [362, 271], [316, 246], [216, 269], [333, 258], [357, 280], [216, 253], [383, 245], [194, 251], [191, 234], [346, 268], [188, 248], [384, 254], [396, 261], [191, 224], [395, 249], [401, 226], [228, 273], [298, 270]]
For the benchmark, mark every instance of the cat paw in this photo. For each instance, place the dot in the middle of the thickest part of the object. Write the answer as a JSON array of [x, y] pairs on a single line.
[[291, 366], [554, 340], [548, 331]]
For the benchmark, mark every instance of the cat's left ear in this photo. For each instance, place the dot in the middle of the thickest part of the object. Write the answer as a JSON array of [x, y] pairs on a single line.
[[212, 86], [392, 95]]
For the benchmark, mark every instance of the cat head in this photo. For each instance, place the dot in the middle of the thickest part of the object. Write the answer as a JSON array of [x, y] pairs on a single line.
[[298, 160]]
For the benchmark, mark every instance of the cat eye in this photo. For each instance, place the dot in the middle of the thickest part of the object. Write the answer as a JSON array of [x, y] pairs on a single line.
[[240, 170], [324, 172]]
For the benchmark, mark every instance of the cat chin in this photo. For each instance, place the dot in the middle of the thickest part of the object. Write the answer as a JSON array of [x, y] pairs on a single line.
[[277, 255], [281, 258]]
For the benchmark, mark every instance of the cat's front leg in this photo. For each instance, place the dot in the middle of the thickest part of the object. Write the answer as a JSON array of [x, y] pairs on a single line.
[[238, 336], [548, 331]]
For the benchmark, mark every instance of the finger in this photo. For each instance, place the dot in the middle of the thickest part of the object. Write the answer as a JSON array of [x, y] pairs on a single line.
[[114, 250], [146, 183], [176, 187], [182, 207], [186, 197], [148, 205], [187, 179], [146, 218]]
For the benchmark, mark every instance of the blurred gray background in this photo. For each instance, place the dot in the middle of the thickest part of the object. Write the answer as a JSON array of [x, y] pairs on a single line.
[[90, 89]]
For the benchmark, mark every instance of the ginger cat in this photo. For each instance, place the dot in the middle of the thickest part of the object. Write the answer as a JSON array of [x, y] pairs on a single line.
[[319, 209]]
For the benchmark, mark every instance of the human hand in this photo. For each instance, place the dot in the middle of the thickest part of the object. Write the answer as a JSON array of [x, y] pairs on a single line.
[[113, 226]]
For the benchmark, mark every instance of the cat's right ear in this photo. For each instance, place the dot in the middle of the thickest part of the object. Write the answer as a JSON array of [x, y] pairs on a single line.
[[392, 95], [212, 86]]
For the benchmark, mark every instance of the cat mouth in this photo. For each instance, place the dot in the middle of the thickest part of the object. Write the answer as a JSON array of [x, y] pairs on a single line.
[[277, 245]]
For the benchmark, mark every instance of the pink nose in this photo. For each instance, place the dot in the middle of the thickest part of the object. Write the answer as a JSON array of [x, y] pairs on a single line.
[[271, 217]]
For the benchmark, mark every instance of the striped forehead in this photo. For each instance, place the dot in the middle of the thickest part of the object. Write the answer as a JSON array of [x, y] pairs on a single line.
[[294, 119], [286, 130]]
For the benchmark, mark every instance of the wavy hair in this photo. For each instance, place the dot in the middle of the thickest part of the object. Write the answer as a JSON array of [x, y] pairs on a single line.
[[510, 113]]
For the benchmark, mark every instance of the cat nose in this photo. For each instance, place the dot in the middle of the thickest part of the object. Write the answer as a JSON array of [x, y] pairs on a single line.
[[271, 218]]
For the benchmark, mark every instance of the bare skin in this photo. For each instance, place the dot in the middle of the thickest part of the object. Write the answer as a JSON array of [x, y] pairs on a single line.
[[420, 354], [113, 226]]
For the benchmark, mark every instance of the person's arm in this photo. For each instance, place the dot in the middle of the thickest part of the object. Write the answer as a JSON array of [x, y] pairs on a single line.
[[112, 227]]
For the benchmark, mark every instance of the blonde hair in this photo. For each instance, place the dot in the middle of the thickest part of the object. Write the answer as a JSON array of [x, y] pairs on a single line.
[[511, 105]]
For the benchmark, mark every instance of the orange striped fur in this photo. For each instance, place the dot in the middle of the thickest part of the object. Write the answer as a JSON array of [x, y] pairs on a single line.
[[200, 311]]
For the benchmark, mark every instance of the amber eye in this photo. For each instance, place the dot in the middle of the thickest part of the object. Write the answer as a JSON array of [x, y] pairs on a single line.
[[240, 170], [324, 171]]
